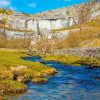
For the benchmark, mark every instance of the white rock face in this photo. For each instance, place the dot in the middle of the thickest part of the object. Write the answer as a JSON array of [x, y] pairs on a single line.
[[32, 25], [49, 24], [44, 24]]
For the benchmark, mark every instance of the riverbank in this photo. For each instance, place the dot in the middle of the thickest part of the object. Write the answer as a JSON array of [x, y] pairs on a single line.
[[16, 72], [74, 60]]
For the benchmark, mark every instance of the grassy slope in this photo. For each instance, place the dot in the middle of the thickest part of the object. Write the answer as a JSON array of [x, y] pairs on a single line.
[[89, 35], [10, 59]]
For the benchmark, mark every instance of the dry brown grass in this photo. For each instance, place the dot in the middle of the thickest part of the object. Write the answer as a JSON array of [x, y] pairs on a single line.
[[88, 35]]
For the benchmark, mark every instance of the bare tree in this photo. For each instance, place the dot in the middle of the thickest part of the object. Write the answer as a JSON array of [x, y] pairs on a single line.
[[85, 10], [3, 40], [43, 44], [28, 39]]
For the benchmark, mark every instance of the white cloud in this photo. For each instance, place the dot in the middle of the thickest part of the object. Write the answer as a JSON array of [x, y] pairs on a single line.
[[4, 3], [33, 5], [7, 4], [12, 8]]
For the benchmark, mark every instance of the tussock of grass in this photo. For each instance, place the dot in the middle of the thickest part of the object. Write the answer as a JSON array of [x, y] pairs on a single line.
[[8, 86], [39, 80]]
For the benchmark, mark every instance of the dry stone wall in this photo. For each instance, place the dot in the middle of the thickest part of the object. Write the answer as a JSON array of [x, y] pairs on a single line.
[[81, 52]]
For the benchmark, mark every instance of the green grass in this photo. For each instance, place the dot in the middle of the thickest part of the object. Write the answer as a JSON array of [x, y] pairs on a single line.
[[39, 80], [73, 60], [12, 77], [13, 59], [9, 86], [62, 58]]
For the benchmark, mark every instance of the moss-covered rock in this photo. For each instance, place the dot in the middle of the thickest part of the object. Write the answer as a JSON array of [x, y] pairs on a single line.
[[9, 87], [96, 77], [48, 71], [38, 80]]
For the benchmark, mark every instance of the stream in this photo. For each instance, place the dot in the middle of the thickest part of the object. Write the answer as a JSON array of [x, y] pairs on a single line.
[[71, 83]]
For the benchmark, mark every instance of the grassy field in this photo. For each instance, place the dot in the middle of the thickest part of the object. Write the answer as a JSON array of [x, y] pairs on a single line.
[[14, 71]]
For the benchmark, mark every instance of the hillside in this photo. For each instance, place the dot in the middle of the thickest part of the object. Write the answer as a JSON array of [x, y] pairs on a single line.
[[65, 12], [84, 35]]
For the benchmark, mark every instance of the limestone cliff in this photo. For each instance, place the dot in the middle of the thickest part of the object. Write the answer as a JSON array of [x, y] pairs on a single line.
[[16, 22]]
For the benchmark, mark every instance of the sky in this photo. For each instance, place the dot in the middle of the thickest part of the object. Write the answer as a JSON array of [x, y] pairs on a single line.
[[35, 6]]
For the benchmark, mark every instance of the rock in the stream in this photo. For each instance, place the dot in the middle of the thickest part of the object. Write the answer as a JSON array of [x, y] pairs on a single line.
[[96, 77]]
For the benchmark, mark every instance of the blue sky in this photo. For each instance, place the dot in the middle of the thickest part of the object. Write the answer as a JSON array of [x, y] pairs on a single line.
[[34, 6]]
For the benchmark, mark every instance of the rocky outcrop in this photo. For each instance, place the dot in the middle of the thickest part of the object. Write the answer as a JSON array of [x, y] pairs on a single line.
[[50, 20], [81, 52]]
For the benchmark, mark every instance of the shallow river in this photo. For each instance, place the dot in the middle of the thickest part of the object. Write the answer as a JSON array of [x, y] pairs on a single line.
[[71, 83]]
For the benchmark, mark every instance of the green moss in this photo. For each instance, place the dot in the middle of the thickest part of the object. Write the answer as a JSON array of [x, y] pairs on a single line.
[[10, 59], [13, 59], [68, 59], [92, 62], [8, 86], [12, 76], [38, 80], [12, 67], [73, 60]]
